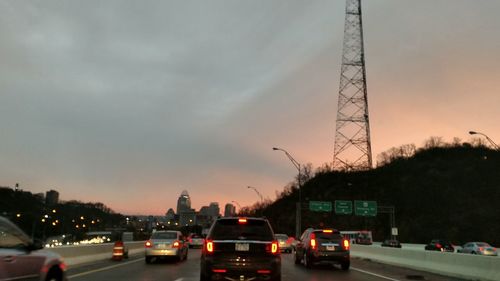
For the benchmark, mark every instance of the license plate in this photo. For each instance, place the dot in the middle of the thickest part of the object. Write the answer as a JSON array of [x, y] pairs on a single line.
[[161, 246], [330, 248], [242, 247]]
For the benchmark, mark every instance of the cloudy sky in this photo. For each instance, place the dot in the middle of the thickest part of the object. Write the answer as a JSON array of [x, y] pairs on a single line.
[[130, 102]]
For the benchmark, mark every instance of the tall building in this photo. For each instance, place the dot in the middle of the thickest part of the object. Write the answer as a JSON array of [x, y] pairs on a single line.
[[229, 210], [170, 215], [51, 197], [183, 203], [214, 210]]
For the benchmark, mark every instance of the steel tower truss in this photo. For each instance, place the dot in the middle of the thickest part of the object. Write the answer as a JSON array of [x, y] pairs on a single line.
[[352, 150]]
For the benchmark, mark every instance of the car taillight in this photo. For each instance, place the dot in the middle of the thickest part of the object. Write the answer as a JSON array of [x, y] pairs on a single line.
[[242, 220], [209, 246], [148, 244], [273, 247], [219, 270], [313, 241], [481, 249], [438, 246], [176, 244], [346, 244]]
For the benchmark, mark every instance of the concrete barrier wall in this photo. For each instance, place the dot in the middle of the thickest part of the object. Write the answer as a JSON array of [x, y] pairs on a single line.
[[449, 264], [74, 255]]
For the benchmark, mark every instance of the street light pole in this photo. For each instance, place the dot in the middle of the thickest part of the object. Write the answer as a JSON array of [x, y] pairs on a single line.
[[488, 138], [298, 212], [258, 193], [239, 206]]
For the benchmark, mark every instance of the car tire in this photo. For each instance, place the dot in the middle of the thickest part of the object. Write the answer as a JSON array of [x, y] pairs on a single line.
[[345, 265], [306, 260], [54, 275], [148, 260]]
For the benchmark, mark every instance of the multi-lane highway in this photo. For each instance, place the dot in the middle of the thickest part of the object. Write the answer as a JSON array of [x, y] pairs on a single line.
[[135, 268]]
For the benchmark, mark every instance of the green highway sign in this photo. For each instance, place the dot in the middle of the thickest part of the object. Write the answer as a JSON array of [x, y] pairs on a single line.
[[320, 206], [343, 207], [365, 208]]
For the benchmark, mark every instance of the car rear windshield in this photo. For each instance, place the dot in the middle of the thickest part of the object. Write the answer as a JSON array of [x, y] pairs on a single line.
[[164, 235], [327, 236], [281, 236], [231, 229]]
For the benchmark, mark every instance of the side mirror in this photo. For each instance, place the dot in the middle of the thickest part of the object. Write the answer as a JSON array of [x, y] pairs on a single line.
[[36, 245]]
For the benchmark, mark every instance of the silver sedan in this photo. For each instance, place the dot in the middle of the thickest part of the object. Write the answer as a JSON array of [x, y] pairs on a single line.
[[479, 248], [164, 244]]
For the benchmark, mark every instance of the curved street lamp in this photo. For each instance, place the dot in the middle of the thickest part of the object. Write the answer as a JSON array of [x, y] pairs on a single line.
[[495, 146], [258, 193], [298, 214]]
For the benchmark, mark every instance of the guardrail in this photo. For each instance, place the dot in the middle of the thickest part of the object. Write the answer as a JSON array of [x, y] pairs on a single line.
[[74, 255], [450, 264]]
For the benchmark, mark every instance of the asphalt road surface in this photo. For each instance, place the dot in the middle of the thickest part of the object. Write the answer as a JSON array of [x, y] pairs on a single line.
[[136, 269]]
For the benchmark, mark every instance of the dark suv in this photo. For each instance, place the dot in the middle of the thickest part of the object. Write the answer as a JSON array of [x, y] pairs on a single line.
[[240, 249], [322, 246], [440, 245]]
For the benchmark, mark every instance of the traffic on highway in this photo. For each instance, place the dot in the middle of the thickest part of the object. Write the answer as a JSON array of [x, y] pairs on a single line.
[[136, 269], [236, 248], [231, 140]]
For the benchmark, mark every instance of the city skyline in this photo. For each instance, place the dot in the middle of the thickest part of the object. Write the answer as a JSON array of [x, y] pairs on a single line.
[[129, 103]]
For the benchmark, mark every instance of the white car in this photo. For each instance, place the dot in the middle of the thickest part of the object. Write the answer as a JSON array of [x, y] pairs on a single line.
[[165, 244], [479, 248], [23, 259]]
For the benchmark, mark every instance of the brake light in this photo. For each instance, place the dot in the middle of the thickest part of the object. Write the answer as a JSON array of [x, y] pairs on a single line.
[[313, 241], [264, 271], [274, 247], [148, 244], [209, 246], [219, 270], [438, 246], [176, 244], [327, 230], [346, 244], [242, 220]]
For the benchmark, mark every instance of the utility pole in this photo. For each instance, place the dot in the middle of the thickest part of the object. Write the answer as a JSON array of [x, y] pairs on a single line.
[[352, 149]]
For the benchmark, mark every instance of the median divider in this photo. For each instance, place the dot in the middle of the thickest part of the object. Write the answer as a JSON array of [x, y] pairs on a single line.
[[79, 254], [450, 264]]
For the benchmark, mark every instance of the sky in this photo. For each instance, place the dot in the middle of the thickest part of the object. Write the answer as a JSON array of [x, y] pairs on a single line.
[[129, 103]]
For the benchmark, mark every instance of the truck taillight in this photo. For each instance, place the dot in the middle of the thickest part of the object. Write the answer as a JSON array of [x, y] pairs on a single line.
[[209, 247], [313, 241], [346, 244], [275, 247]]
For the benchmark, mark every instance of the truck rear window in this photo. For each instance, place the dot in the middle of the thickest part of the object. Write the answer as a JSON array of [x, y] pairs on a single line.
[[231, 229]]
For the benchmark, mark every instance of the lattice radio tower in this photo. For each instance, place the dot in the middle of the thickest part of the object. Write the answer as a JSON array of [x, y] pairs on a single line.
[[352, 149]]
